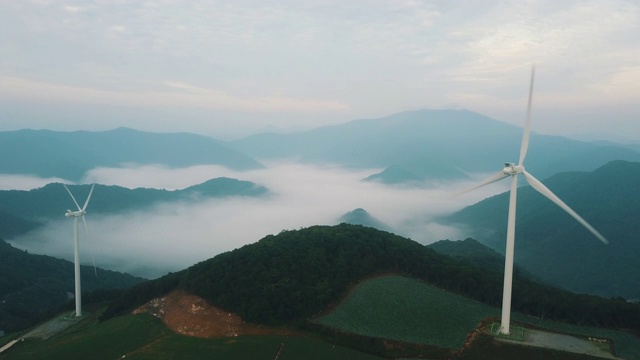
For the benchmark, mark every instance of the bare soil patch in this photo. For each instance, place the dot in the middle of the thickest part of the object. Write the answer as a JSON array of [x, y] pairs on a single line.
[[191, 315]]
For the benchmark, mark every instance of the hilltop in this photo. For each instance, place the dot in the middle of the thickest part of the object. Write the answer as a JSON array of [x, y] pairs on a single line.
[[362, 217], [289, 277]]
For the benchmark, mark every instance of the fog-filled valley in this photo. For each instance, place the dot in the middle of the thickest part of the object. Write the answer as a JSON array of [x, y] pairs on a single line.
[[170, 236]]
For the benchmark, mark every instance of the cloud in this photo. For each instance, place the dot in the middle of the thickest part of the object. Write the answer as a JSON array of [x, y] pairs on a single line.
[[173, 236], [25, 182], [186, 95]]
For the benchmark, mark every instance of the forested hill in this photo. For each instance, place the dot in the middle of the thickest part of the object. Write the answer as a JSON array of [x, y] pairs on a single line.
[[290, 277], [69, 155], [32, 284], [554, 247], [52, 200]]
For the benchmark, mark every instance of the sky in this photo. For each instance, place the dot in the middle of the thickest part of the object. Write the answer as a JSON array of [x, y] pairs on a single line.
[[231, 68]]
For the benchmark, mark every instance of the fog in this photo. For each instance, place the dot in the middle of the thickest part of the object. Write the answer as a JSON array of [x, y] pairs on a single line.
[[173, 236]]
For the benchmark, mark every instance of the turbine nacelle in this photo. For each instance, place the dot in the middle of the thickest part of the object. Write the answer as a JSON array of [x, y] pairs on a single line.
[[512, 169], [78, 213]]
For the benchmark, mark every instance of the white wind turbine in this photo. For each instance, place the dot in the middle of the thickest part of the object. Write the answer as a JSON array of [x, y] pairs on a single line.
[[511, 169], [76, 244]]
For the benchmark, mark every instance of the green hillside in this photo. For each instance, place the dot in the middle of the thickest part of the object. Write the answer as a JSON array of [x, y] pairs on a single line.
[[554, 247], [69, 155], [404, 309], [52, 200], [31, 285], [290, 277], [472, 251]]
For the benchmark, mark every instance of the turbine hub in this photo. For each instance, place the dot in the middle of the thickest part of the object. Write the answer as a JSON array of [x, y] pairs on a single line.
[[512, 169]]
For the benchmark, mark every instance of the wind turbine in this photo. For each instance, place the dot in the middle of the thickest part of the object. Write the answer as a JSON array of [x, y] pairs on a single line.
[[76, 244], [511, 169]]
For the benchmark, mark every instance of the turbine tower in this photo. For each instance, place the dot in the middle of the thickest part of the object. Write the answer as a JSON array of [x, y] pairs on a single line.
[[511, 169], [76, 244]]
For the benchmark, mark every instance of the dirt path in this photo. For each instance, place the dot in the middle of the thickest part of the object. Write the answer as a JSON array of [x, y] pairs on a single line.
[[563, 342], [52, 327], [8, 345]]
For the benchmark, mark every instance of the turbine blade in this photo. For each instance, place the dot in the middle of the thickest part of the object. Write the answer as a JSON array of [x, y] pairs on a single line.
[[536, 184], [527, 123], [88, 197], [86, 230], [74, 199], [491, 179]]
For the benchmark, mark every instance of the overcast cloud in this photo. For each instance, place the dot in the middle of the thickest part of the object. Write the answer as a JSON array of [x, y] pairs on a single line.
[[173, 236], [226, 68]]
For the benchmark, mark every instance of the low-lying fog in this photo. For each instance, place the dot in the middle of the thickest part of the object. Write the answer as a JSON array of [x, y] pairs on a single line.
[[173, 236]]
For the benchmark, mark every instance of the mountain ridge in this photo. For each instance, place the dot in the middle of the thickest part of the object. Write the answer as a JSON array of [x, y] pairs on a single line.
[[16, 206], [69, 155], [431, 145], [553, 246]]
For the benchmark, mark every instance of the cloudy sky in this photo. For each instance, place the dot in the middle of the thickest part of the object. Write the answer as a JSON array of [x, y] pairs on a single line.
[[229, 68]]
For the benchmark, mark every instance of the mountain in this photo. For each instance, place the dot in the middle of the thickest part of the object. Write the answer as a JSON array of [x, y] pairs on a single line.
[[554, 247], [30, 285], [431, 145], [479, 255], [289, 278], [362, 217], [471, 250], [296, 294], [24, 210], [69, 155]]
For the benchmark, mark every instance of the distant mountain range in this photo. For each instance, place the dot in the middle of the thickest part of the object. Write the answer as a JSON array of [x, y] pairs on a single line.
[[21, 211], [432, 145], [554, 247], [412, 146], [69, 155]]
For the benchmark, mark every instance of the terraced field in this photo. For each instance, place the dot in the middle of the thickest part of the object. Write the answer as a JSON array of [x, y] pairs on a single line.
[[408, 310], [404, 309]]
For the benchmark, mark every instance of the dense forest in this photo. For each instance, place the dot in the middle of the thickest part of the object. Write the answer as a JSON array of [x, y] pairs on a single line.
[[290, 277], [30, 285]]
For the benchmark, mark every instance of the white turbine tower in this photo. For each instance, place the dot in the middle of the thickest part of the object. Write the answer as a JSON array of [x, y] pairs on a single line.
[[76, 244], [513, 170]]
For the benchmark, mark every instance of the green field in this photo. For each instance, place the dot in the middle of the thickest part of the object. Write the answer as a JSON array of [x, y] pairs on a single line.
[[408, 310], [404, 309], [145, 337]]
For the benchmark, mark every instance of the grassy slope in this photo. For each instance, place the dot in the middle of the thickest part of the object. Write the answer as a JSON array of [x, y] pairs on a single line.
[[408, 310], [145, 337]]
